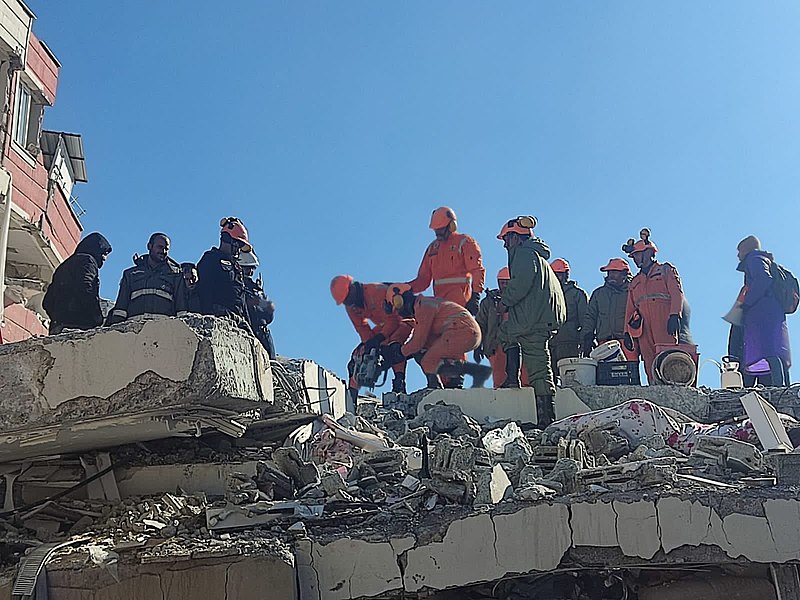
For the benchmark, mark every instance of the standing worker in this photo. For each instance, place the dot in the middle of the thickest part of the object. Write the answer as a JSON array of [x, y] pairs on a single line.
[[152, 286], [364, 302], [260, 309], [536, 310], [72, 300], [220, 285], [453, 262], [567, 342], [655, 303], [765, 353], [489, 321], [605, 315], [443, 333]]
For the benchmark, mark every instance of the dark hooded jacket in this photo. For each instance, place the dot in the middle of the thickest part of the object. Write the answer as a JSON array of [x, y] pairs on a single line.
[[73, 297]]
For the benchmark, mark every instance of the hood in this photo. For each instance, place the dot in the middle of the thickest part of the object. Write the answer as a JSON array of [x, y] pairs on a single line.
[[755, 253], [94, 245], [539, 246]]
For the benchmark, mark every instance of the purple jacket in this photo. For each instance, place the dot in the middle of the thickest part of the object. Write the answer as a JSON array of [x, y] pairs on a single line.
[[765, 331]]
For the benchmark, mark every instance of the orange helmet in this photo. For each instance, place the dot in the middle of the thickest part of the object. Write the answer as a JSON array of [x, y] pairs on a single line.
[[236, 230], [616, 264], [504, 274], [442, 217], [560, 265], [394, 296], [340, 287], [522, 225]]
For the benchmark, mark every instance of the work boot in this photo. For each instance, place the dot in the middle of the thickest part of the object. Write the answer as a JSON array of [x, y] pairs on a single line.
[[479, 374], [545, 411], [433, 382], [399, 383], [451, 372], [513, 360]]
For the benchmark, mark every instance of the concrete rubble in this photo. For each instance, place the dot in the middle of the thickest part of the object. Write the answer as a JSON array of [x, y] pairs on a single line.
[[413, 497]]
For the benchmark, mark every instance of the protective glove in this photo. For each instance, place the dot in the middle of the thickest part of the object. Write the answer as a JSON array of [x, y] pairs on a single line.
[[478, 355], [373, 342], [627, 341], [588, 344], [393, 353], [673, 325], [473, 303]]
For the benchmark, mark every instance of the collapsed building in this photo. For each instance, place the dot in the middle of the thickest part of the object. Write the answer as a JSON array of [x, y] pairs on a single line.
[[169, 458]]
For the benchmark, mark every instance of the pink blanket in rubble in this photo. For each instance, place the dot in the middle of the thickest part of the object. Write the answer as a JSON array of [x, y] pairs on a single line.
[[640, 419]]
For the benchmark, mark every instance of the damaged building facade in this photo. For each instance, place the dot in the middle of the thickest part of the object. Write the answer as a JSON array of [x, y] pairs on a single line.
[[39, 226], [198, 468]]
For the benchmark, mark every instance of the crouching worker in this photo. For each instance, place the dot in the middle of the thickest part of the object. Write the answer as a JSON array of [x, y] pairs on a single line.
[[443, 333], [364, 305]]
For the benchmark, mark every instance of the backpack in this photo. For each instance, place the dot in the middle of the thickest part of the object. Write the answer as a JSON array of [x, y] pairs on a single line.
[[785, 287]]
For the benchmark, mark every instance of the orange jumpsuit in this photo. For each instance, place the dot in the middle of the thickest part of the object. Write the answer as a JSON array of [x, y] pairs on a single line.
[[445, 329], [455, 267], [393, 327], [655, 296]]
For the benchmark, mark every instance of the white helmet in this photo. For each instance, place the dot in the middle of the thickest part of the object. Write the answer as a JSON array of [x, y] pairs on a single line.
[[248, 259]]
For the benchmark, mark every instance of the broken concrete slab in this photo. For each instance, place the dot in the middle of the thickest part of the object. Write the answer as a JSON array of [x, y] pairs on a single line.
[[519, 539], [486, 405], [131, 367], [192, 478]]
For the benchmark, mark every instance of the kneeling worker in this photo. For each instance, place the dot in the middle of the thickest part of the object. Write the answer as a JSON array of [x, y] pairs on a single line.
[[443, 333], [364, 303]]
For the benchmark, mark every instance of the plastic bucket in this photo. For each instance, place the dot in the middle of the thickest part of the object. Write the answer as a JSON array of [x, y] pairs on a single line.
[[675, 367], [582, 371], [607, 351]]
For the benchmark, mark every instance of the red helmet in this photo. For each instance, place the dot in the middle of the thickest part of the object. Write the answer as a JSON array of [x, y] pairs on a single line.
[[394, 296], [504, 274], [236, 230], [522, 225], [617, 264], [340, 287], [560, 265], [442, 217]]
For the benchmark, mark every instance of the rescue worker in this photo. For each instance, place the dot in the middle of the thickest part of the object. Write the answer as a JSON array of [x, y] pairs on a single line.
[[453, 262], [364, 303], [605, 315], [260, 309], [655, 303], [72, 300], [220, 285], [567, 342], [765, 351], [489, 321], [443, 332], [152, 286], [536, 310]]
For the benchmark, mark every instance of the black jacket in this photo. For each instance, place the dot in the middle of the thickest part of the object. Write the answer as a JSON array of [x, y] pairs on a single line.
[[145, 290], [73, 297], [220, 285], [261, 311]]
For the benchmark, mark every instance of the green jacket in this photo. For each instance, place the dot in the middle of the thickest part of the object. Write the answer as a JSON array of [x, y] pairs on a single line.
[[606, 313], [577, 303], [489, 322], [533, 296]]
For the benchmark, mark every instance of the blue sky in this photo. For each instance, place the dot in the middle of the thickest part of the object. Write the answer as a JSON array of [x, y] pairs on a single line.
[[333, 130]]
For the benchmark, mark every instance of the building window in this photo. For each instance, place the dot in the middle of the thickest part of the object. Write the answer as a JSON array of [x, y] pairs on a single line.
[[27, 120], [22, 115]]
